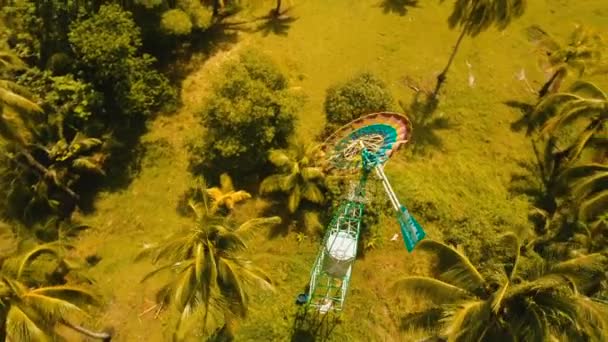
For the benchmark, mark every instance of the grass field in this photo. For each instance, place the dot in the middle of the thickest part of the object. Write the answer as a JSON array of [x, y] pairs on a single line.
[[455, 178]]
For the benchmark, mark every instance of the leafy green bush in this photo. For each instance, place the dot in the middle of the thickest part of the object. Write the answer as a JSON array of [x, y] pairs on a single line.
[[106, 46], [362, 94], [104, 42], [74, 102], [251, 112], [176, 22]]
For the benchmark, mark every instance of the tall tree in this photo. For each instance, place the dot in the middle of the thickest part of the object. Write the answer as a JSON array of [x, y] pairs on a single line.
[[498, 305], [581, 53], [298, 176], [476, 16], [208, 270]]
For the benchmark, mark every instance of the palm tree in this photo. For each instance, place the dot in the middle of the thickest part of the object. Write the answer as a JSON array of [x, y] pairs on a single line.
[[558, 165], [500, 305], [476, 16], [298, 177], [225, 195], [208, 271], [580, 53], [31, 313]]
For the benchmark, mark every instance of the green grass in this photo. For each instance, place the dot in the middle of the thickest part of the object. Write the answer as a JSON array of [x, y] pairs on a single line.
[[458, 190]]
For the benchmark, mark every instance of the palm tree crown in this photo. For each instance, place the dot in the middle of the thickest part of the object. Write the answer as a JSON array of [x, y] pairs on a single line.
[[500, 305], [299, 177], [208, 271], [225, 195]]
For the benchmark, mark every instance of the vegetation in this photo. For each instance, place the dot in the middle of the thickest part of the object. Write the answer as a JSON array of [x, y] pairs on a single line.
[[207, 268], [582, 53], [98, 154], [298, 177], [251, 112], [362, 94], [502, 304]]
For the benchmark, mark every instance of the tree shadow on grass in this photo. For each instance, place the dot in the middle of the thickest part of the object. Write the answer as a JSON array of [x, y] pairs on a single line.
[[275, 24], [311, 326], [399, 7], [524, 122], [425, 124]]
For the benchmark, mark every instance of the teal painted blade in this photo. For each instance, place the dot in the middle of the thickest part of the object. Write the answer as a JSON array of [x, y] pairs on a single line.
[[411, 230]]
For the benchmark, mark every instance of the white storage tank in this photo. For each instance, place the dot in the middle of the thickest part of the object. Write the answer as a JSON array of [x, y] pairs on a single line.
[[340, 252]]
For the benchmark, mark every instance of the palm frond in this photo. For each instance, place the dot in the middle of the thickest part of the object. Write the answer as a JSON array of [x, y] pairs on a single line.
[[184, 288], [51, 309], [226, 183], [580, 171], [588, 88], [514, 245], [66, 292], [271, 184], [436, 290], [215, 194], [594, 317], [293, 202], [17, 97], [455, 268], [586, 271], [50, 248], [232, 285], [312, 193], [312, 173], [588, 185], [236, 197], [498, 298], [594, 205], [279, 158], [88, 164], [82, 143], [571, 112], [467, 321], [20, 327], [158, 270], [253, 224]]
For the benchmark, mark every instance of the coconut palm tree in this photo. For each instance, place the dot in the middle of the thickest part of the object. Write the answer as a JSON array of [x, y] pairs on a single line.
[[559, 166], [298, 175], [476, 16], [225, 195], [207, 270], [32, 312], [497, 304], [581, 53]]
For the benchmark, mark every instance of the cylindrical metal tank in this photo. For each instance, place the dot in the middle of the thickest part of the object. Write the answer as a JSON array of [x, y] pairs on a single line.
[[340, 252]]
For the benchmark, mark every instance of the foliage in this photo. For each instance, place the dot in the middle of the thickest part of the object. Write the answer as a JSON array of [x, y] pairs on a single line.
[[362, 94], [200, 16], [71, 102], [582, 53], [176, 22], [103, 42], [500, 305], [225, 195], [106, 47], [207, 266], [298, 176], [32, 311], [571, 183], [250, 112], [476, 16]]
